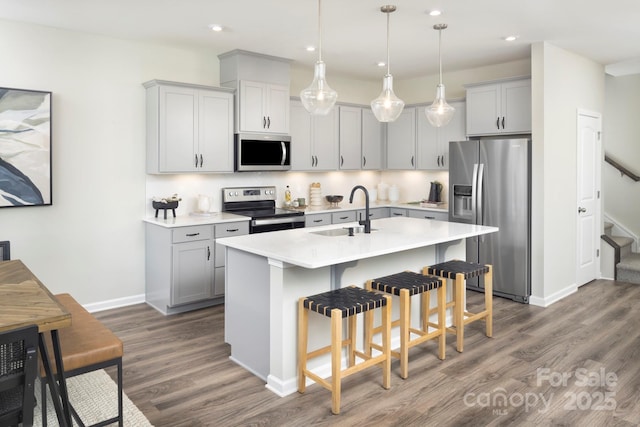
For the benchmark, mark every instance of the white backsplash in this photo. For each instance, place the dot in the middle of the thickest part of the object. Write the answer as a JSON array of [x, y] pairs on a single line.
[[412, 185]]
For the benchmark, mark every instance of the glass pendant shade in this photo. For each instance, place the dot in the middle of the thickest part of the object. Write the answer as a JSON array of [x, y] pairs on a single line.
[[387, 107], [439, 113], [318, 98]]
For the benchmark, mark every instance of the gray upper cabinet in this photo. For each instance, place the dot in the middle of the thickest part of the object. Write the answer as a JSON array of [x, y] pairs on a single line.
[[433, 143], [314, 139], [372, 141], [361, 137], [350, 138], [499, 107], [262, 90], [189, 128], [401, 141], [263, 107]]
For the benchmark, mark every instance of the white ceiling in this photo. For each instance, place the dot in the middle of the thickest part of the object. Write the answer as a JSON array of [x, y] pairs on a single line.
[[354, 31]]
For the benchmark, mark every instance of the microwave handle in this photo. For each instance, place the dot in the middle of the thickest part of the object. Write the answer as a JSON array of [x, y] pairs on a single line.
[[284, 153]]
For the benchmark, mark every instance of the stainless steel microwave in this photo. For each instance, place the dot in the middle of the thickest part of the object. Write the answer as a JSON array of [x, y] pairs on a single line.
[[262, 152]]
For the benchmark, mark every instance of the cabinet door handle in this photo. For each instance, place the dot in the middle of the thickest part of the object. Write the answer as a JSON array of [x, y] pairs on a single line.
[[411, 160], [442, 161], [438, 161], [264, 122], [232, 230], [397, 214], [502, 122], [208, 253], [429, 217], [192, 234], [318, 220], [364, 161], [341, 161], [196, 160], [498, 122], [344, 217], [268, 122], [200, 160]]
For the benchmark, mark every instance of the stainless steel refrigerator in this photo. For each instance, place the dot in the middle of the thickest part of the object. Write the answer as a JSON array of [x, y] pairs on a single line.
[[490, 184]]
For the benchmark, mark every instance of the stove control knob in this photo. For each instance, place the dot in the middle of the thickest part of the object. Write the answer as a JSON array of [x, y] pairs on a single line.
[[235, 194], [230, 193]]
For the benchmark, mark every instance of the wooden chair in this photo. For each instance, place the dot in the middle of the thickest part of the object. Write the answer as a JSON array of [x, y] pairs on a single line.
[[405, 285], [18, 368], [339, 304], [459, 272], [87, 345]]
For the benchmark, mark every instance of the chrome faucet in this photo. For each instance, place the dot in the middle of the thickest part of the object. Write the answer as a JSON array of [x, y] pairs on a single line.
[[366, 222]]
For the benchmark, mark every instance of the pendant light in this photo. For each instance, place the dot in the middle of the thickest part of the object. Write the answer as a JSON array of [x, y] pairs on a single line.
[[319, 98], [439, 113], [387, 106]]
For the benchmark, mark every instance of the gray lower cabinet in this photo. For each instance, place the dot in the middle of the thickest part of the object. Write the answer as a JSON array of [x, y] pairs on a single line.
[[374, 213], [397, 212], [421, 213], [227, 229], [343, 216], [315, 220], [184, 269]]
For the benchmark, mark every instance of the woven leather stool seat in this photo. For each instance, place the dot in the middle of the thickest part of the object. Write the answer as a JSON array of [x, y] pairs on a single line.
[[415, 283], [340, 304], [459, 271], [350, 301], [405, 285], [449, 269]]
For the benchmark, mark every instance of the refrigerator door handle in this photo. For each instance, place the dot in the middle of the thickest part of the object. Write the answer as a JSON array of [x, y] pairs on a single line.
[[480, 214], [474, 194]]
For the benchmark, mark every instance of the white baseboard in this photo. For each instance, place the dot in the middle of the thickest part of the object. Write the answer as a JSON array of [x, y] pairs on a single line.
[[555, 297], [114, 303]]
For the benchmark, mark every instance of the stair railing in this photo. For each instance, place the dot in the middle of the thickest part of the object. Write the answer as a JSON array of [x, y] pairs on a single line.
[[623, 170]]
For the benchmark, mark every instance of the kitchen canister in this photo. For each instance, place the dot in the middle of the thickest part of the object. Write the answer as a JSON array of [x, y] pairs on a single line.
[[394, 194], [373, 194], [383, 191]]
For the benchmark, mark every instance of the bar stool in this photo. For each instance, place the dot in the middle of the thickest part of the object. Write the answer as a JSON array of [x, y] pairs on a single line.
[[339, 304], [405, 285], [460, 271]]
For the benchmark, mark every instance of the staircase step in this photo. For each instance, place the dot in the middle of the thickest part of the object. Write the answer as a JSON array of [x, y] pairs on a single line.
[[608, 226], [628, 268], [624, 243]]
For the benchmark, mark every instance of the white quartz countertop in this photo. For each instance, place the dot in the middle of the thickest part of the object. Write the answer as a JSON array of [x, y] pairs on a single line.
[[189, 220], [305, 248], [346, 206], [220, 217]]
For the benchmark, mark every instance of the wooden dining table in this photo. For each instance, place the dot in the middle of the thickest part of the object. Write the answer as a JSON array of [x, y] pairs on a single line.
[[25, 300]]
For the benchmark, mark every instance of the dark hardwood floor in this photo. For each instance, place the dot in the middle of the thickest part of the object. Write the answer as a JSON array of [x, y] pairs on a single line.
[[575, 363]]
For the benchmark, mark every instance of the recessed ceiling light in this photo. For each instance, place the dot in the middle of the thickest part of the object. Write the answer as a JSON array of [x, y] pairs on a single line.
[[510, 38], [215, 27], [435, 13], [381, 64], [311, 48]]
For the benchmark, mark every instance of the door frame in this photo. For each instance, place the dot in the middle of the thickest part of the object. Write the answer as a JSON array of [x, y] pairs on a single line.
[[598, 204]]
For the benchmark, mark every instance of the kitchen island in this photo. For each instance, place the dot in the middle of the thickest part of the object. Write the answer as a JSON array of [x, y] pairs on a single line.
[[267, 273]]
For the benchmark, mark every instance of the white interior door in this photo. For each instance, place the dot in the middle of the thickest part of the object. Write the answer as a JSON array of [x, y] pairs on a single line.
[[588, 200]]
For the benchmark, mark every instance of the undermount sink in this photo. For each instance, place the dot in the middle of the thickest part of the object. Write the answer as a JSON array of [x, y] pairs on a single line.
[[345, 231]]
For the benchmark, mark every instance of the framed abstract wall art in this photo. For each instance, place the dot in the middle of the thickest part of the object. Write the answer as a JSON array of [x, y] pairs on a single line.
[[25, 147]]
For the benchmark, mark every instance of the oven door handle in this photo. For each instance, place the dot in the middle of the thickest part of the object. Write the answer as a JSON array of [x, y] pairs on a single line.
[[271, 221]]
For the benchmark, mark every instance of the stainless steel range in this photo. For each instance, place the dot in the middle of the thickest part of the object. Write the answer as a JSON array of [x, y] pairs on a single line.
[[259, 203]]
